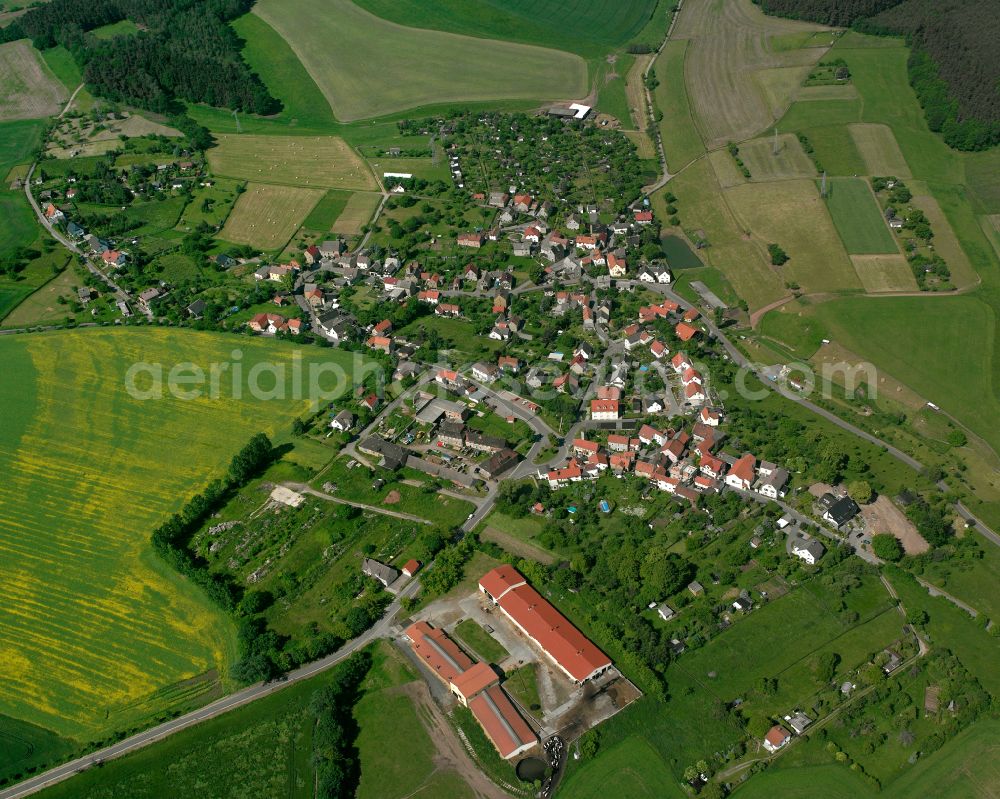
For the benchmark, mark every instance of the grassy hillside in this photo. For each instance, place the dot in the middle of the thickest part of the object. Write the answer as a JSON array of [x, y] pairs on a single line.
[[404, 67], [585, 27], [303, 104], [96, 635]]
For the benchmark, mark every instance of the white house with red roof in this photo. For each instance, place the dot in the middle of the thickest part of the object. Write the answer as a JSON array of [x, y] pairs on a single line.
[[742, 472], [604, 410], [776, 738]]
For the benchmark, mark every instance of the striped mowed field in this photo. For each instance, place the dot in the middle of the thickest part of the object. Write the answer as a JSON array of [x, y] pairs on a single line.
[[267, 216], [367, 66], [95, 633], [326, 162]]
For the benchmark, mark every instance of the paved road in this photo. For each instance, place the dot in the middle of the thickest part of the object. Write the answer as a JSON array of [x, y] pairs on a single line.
[[53, 231], [740, 360], [802, 519], [217, 708]]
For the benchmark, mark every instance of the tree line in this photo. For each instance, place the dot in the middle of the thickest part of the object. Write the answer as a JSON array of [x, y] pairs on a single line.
[[185, 50], [335, 755], [952, 65], [263, 652]]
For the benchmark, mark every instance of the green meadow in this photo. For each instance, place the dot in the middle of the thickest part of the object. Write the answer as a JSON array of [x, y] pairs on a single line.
[[588, 28], [857, 217]]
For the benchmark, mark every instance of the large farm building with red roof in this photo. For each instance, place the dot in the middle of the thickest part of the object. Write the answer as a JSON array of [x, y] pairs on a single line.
[[574, 653], [476, 685]]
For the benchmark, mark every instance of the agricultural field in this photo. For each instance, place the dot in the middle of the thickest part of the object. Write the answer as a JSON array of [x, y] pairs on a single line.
[[612, 95], [592, 28], [313, 162], [681, 139], [26, 746], [946, 243], [726, 171], [270, 739], [917, 340], [37, 295], [424, 168], [406, 68], [357, 213], [86, 656], [267, 216], [327, 210], [880, 273], [737, 84], [790, 161], [879, 149], [28, 89], [857, 217], [792, 214], [729, 249], [269, 55], [209, 204]]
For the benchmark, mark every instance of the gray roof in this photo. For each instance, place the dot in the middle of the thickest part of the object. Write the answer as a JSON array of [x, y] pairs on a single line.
[[379, 571], [843, 510]]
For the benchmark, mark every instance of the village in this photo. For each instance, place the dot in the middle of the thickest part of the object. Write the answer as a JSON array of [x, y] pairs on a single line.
[[544, 346]]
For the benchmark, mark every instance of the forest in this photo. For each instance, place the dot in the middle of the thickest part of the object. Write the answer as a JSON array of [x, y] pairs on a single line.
[[953, 66], [183, 50]]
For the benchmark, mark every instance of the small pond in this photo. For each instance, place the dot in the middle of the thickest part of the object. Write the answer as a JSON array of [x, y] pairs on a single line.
[[678, 253], [530, 769]]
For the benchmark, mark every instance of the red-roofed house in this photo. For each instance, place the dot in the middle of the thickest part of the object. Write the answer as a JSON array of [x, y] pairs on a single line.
[[431, 296], [583, 447], [570, 473], [522, 203], [712, 466], [496, 583], [658, 348], [382, 328], [685, 332], [693, 392], [381, 343], [312, 254], [649, 434], [533, 615], [617, 443], [741, 473], [474, 240], [710, 417], [776, 738], [680, 362], [691, 314], [411, 567], [616, 266], [691, 375], [643, 217], [473, 681], [604, 410]]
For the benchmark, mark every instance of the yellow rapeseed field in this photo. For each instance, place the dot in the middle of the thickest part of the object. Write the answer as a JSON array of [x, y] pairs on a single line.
[[92, 627]]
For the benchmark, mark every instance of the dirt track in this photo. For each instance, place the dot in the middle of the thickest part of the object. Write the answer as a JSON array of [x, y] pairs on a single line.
[[451, 754]]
